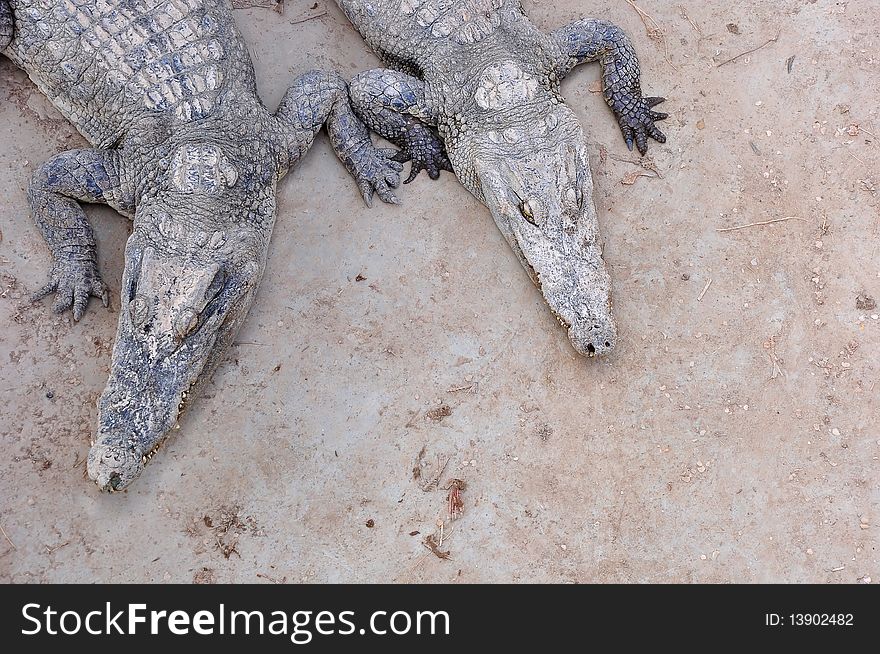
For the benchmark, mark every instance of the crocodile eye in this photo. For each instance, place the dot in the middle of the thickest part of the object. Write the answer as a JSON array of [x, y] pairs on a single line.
[[217, 285], [186, 323], [140, 310], [526, 210]]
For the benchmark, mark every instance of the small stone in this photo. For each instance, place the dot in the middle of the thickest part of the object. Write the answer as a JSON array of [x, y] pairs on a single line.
[[835, 432], [810, 551], [702, 557]]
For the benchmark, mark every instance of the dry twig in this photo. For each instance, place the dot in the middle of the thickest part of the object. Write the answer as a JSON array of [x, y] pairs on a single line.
[[652, 27], [763, 222], [8, 539], [308, 18], [432, 545], [743, 54], [455, 505], [705, 288]]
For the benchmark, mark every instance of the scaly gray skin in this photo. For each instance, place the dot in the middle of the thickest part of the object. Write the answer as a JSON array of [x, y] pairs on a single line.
[[165, 92], [475, 89]]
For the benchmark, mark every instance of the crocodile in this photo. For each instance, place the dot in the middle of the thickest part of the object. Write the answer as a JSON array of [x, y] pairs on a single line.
[[165, 93], [473, 87]]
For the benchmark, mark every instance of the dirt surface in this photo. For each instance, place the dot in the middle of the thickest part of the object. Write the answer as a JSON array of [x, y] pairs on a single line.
[[733, 437]]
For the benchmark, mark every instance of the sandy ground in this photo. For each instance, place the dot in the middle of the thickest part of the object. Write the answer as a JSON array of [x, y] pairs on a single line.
[[733, 437]]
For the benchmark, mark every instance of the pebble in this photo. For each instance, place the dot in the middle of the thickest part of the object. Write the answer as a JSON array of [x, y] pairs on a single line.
[[835, 432]]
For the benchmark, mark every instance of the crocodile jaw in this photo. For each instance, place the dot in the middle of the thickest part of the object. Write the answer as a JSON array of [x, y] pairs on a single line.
[[178, 315], [541, 198]]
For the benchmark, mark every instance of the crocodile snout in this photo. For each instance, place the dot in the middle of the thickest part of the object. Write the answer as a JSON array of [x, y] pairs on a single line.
[[113, 467], [595, 338]]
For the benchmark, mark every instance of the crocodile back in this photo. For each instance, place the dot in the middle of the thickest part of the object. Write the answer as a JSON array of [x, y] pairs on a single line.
[[107, 64], [416, 34]]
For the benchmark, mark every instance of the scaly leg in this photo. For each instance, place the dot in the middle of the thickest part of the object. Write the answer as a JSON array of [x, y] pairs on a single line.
[[76, 175], [6, 24], [318, 97], [393, 105], [589, 40]]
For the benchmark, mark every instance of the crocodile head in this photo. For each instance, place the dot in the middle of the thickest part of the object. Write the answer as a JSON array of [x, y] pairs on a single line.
[[185, 291], [534, 176]]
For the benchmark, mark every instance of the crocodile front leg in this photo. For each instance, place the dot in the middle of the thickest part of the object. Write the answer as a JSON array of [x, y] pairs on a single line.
[[589, 40], [393, 105], [319, 97], [76, 175]]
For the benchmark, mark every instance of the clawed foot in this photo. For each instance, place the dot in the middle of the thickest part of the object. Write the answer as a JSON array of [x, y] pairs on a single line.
[[379, 173], [636, 119], [425, 150], [73, 283]]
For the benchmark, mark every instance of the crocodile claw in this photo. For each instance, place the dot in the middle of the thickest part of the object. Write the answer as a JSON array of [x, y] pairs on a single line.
[[425, 150], [636, 119], [378, 174], [73, 284]]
